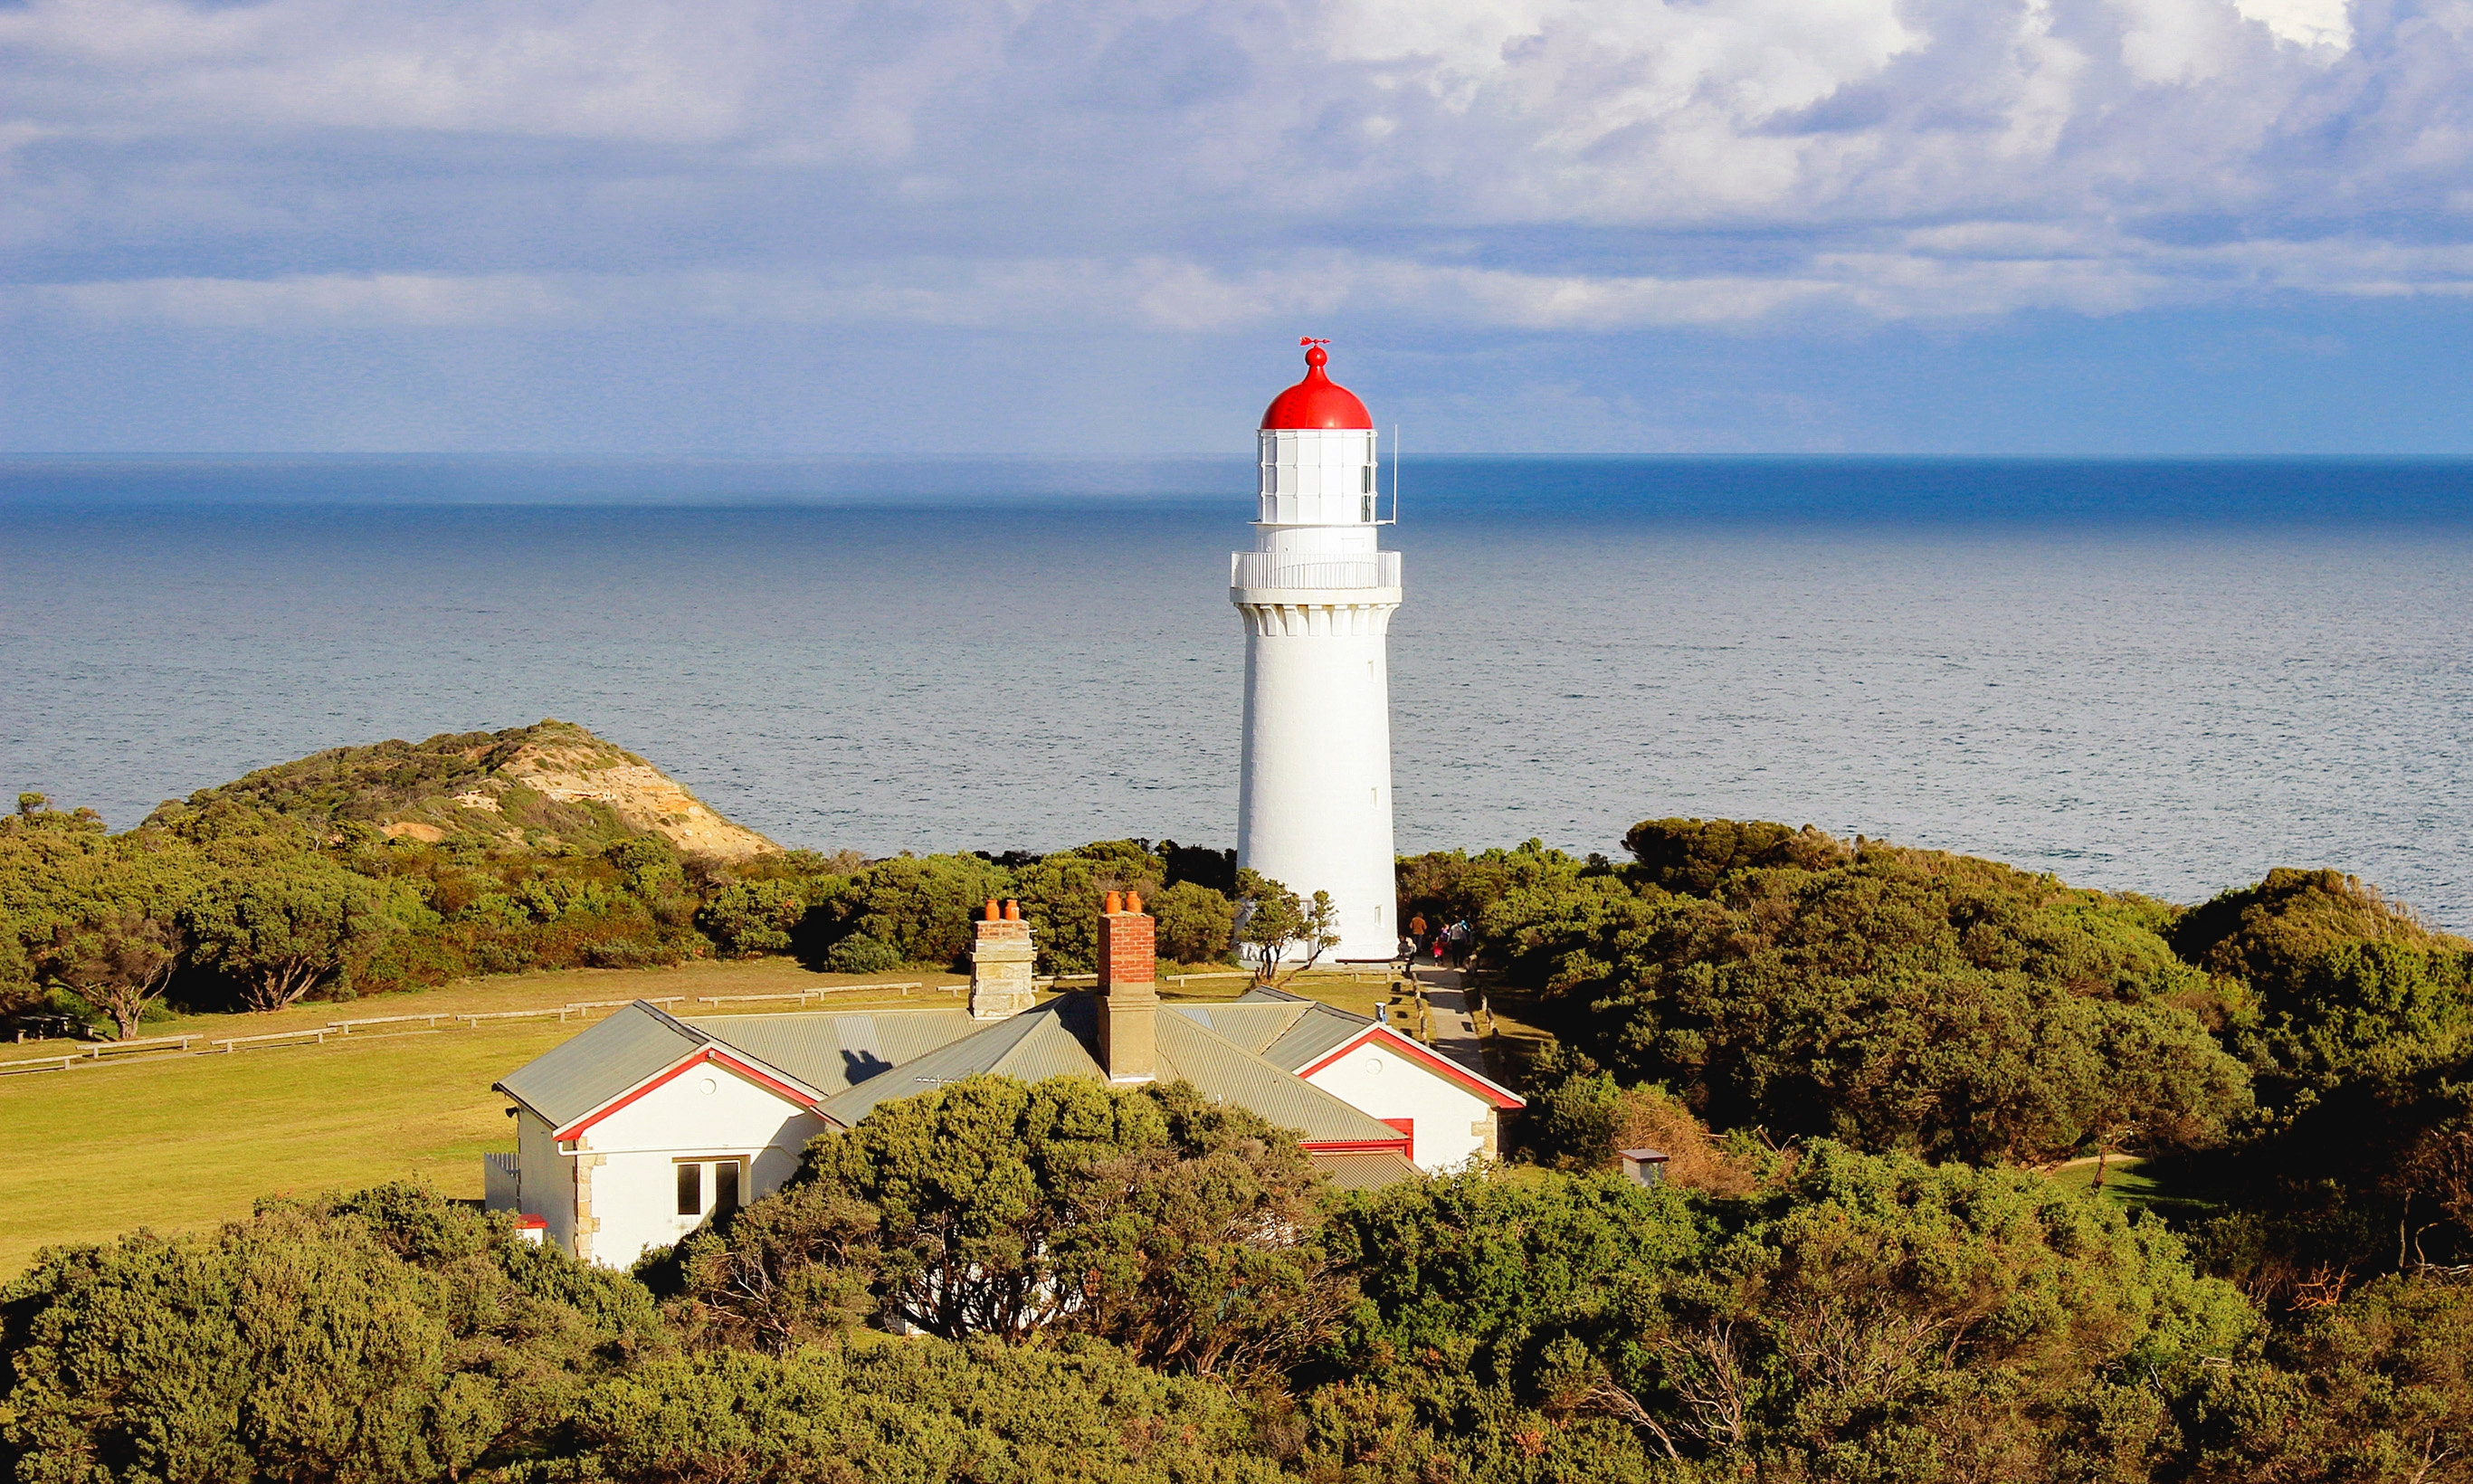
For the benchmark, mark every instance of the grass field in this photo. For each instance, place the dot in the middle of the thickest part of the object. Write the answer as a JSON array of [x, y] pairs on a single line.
[[179, 1142], [2134, 1183]]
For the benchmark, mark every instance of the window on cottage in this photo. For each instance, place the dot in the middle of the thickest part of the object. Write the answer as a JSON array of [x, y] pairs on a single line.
[[691, 1189], [725, 1187]]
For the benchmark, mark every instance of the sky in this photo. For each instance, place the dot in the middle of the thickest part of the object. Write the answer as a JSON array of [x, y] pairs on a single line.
[[1099, 226]]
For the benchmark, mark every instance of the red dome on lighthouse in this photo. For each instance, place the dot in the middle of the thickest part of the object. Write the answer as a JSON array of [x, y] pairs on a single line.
[[1317, 402]]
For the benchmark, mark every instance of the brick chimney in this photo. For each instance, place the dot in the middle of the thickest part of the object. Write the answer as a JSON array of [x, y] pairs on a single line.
[[1001, 959], [1128, 990]]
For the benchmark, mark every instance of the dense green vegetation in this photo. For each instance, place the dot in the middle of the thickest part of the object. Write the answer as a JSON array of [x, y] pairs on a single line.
[[325, 879], [1863, 1059], [1134, 1286]]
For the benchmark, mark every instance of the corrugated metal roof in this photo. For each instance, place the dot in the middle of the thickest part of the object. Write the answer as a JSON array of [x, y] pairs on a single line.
[[1315, 1032], [861, 1060], [600, 1062], [1227, 1072], [1033, 1044], [1060, 1040], [1366, 1171], [1265, 995], [1309, 1029], [829, 1052], [1250, 1026]]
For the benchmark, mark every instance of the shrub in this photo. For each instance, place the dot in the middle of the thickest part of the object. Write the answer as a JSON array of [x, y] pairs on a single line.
[[1181, 1229], [389, 1334], [860, 954], [1196, 924], [748, 918]]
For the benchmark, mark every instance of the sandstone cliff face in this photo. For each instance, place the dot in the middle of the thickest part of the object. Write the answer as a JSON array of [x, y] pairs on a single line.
[[636, 791], [552, 786]]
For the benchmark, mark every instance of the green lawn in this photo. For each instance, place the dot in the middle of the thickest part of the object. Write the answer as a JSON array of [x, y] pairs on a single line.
[[2134, 1183], [180, 1143]]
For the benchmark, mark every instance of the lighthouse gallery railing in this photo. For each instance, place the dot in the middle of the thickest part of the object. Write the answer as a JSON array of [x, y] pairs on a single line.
[[1265, 569]]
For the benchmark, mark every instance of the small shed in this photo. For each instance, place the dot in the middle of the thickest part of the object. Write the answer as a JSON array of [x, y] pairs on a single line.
[[1647, 1167]]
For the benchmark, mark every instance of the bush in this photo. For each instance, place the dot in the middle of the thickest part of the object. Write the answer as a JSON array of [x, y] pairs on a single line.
[[860, 954], [1889, 998], [1181, 1229], [1582, 1121], [1196, 924], [1869, 1317], [748, 918], [921, 907], [389, 1334], [923, 1410]]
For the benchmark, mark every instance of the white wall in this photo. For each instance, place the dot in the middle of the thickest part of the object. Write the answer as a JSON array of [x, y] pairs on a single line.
[[1313, 795], [1449, 1119], [708, 1112]]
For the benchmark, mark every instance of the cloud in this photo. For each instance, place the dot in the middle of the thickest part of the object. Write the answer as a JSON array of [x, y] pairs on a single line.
[[1550, 166], [1940, 274]]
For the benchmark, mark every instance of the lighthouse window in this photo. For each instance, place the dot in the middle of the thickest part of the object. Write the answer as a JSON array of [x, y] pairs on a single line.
[[1365, 508], [1368, 472]]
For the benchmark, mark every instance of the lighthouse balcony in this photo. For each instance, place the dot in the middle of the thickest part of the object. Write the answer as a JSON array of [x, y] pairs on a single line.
[[1258, 569]]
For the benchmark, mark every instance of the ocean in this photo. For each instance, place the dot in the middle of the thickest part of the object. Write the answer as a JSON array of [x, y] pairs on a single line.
[[2155, 676]]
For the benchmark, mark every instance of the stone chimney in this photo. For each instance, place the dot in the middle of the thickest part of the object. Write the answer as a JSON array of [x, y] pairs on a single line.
[[1128, 990], [1001, 959]]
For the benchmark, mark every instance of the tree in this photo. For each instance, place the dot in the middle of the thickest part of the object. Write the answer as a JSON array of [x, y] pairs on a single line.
[[1180, 1229], [384, 1335], [1061, 893], [117, 962], [1272, 923], [919, 907], [1891, 998], [923, 1410], [1196, 924], [280, 932], [749, 918]]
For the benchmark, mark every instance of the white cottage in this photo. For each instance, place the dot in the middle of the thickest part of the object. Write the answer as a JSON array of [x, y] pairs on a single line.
[[644, 1125]]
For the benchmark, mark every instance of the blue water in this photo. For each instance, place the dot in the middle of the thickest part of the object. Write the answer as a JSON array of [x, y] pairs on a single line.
[[2155, 676]]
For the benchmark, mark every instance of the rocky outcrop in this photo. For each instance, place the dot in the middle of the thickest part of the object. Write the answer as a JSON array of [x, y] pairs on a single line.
[[552, 786]]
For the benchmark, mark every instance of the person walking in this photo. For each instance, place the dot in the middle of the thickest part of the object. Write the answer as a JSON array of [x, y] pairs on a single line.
[[1417, 933]]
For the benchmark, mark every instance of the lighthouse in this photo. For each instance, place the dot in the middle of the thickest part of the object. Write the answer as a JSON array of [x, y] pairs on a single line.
[[1316, 595]]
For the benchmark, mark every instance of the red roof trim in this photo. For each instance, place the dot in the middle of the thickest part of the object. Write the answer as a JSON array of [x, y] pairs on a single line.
[[1397, 1146], [1502, 1097], [713, 1054]]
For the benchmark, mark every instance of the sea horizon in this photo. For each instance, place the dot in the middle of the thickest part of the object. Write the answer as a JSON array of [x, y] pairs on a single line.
[[2275, 489], [2163, 675]]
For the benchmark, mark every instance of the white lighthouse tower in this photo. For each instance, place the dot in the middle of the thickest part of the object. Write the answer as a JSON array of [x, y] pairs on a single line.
[[1313, 804]]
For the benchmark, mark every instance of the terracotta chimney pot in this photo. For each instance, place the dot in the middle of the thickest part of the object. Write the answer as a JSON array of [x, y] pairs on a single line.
[[1128, 992], [1013, 912]]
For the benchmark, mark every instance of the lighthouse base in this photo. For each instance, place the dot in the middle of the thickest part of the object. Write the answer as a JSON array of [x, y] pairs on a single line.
[[1315, 796]]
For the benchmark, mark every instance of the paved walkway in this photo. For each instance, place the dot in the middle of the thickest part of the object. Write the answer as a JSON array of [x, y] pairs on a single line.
[[1453, 1017]]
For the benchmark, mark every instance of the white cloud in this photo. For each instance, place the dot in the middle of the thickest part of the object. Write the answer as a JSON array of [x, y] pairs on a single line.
[[2315, 23], [323, 301], [1546, 165], [1937, 274]]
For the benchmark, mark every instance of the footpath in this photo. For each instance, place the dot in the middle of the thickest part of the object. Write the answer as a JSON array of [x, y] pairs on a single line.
[[1452, 1019]]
